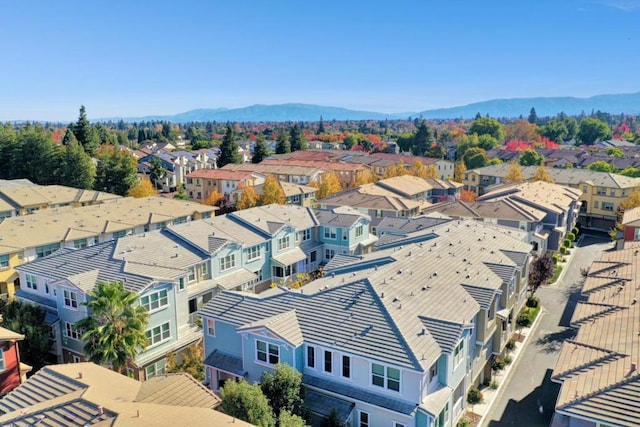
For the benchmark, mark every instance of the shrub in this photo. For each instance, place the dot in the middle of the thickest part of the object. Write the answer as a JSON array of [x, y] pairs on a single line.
[[563, 250], [566, 243], [571, 236], [464, 422], [511, 344], [575, 231], [533, 301], [494, 385], [498, 364], [508, 359], [474, 396], [523, 320], [555, 259]]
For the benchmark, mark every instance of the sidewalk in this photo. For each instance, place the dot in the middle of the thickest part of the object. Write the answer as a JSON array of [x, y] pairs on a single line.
[[567, 260], [481, 410]]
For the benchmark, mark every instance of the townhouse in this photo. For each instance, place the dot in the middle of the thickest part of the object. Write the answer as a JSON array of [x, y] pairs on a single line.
[[630, 228], [177, 269], [598, 368], [601, 195], [298, 194], [201, 183], [294, 174], [12, 371], [178, 165], [82, 394], [25, 238], [348, 173], [391, 338]]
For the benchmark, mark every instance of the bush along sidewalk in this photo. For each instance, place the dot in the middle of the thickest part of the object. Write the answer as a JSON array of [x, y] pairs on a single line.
[[529, 312]]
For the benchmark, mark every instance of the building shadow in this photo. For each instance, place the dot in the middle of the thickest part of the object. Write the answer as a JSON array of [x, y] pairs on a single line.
[[536, 409]]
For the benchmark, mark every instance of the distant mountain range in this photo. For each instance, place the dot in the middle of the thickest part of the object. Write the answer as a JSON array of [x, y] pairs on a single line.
[[515, 107]]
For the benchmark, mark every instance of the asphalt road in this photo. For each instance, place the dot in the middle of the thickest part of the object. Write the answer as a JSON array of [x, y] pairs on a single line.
[[529, 397]]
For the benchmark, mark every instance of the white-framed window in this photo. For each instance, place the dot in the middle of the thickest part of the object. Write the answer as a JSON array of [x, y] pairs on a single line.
[[346, 366], [191, 276], [80, 243], [118, 234], [267, 352], [596, 204], [433, 371], [458, 353], [4, 261], [227, 262], [158, 368], [328, 361], [607, 206], [330, 233], [359, 231], [385, 376], [158, 334], [155, 301], [363, 419], [253, 253], [32, 281], [70, 299], [329, 253], [311, 357], [211, 327], [283, 243], [305, 235], [205, 269], [72, 332], [182, 284], [636, 234], [42, 251]]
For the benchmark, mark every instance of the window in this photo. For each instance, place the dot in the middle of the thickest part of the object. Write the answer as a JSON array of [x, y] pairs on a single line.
[[328, 365], [4, 261], [158, 334], [181, 284], [385, 377], [636, 234], [70, 299], [606, 206], [602, 191], [329, 253], [75, 359], [363, 419], [346, 366], [180, 220], [42, 251], [330, 233], [613, 192], [227, 262], [311, 357], [72, 332], [596, 204], [305, 235], [211, 327], [205, 269], [283, 243], [155, 300], [191, 274], [359, 231], [253, 253], [267, 353], [433, 371], [118, 234], [80, 243], [584, 189], [157, 368], [458, 353], [396, 424], [313, 256]]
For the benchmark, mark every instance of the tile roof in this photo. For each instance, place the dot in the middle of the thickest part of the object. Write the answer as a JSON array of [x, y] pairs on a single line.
[[630, 216], [9, 335], [220, 174], [318, 164], [176, 390], [342, 216], [225, 362], [269, 169], [371, 197], [271, 218], [52, 195], [554, 197], [446, 334], [599, 367], [504, 208], [285, 325]]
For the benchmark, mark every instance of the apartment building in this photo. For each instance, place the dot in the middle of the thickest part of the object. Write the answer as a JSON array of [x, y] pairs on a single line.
[[293, 174], [201, 183]]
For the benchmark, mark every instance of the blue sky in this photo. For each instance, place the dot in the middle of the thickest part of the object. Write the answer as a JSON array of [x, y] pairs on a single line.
[[133, 58]]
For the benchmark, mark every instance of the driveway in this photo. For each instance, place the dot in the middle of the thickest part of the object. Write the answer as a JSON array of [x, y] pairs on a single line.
[[529, 398]]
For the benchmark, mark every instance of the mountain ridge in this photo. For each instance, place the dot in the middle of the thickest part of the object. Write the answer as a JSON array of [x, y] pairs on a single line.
[[628, 103]]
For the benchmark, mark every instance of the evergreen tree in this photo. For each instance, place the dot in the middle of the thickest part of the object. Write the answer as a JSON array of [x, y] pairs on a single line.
[[282, 142], [28, 319], [321, 129], [423, 139], [283, 388], [38, 156], [260, 151], [246, 402], [85, 133], [533, 117], [76, 169], [229, 149], [157, 170], [297, 140], [116, 171]]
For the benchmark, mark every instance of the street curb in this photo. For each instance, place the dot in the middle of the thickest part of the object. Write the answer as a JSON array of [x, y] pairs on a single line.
[[512, 367], [566, 264]]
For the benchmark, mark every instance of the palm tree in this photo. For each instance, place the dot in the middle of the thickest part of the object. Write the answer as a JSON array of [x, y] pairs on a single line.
[[115, 328]]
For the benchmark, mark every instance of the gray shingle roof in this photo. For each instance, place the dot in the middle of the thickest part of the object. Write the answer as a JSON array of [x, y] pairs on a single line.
[[484, 296], [391, 403], [446, 334], [336, 218], [505, 272]]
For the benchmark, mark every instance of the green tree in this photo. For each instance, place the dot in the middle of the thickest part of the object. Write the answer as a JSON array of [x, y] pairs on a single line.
[[283, 388], [28, 320], [349, 141], [321, 129], [246, 402], [282, 142], [38, 157], [260, 151], [229, 149], [555, 130], [114, 332], [157, 170], [86, 134], [533, 117], [602, 166], [272, 192], [475, 157], [191, 361], [615, 152], [487, 126], [531, 157], [181, 194], [592, 130], [116, 171], [297, 140], [76, 169], [631, 172], [487, 142], [287, 419], [423, 139]]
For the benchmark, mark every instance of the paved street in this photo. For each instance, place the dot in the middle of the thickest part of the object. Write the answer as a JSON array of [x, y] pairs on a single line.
[[529, 397]]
